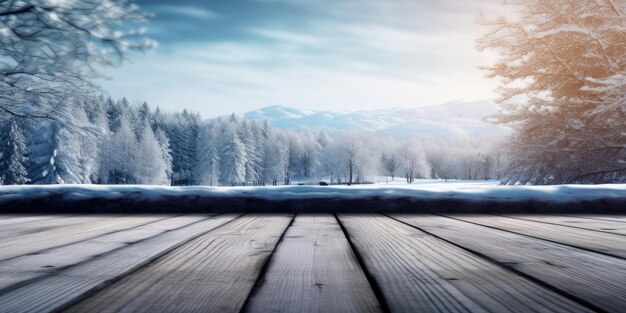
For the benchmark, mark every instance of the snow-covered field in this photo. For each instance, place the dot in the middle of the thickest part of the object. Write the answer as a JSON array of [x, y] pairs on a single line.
[[463, 196]]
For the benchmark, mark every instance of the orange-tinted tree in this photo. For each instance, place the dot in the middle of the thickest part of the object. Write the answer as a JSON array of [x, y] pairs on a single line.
[[563, 69]]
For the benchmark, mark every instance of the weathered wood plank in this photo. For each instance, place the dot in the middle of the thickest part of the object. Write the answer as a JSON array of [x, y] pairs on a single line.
[[314, 270], [603, 217], [30, 243], [593, 279], [576, 222], [213, 273], [611, 244], [56, 292], [7, 219], [25, 268], [420, 273], [45, 224]]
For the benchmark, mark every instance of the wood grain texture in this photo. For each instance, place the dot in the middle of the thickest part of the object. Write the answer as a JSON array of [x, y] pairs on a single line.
[[31, 243], [405, 252], [213, 273], [611, 227], [70, 285], [603, 217], [33, 226], [314, 270], [611, 244], [392, 255], [7, 219], [593, 279], [28, 267]]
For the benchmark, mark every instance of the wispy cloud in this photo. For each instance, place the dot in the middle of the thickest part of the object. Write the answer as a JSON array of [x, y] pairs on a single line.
[[224, 56], [185, 10]]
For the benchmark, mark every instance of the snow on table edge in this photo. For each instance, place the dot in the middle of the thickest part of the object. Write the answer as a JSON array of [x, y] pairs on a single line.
[[560, 193]]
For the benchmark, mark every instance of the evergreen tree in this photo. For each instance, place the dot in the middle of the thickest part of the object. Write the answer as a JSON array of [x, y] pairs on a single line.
[[13, 157], [151, 167], [54, 155], [253, 155], [208, 169], [166, 151], [122, 154], [42, 154], [114, 110], [233, 167], [87, 148]]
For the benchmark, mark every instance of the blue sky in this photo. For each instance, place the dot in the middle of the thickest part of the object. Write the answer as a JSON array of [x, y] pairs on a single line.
[[222, 56]]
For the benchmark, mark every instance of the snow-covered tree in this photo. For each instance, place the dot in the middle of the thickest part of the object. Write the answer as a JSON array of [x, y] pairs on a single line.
[[332, 162], [254, 158], [89, 148], [42, 154], [122, 155], [276, 151], [390, 164], [166, 150], [182, 130], [54, 155], [151, 167], [413, 161], [563, 67], [233, 159], [208, 169], [50, 49], [13, 156]]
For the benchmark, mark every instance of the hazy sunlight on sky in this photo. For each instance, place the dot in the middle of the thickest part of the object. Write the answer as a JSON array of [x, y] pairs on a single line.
[[217, 57]]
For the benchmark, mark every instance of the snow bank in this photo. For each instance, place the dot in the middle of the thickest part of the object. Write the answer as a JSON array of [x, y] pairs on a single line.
[[434, 197]]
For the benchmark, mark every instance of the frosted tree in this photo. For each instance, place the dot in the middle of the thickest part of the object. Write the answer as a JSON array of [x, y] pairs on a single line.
[[42, 154], [13, 156], [265, 130], [151, 167], [54, 155], [254, 157], [390, 164], [353, 150], [122, 154], [166, 150], [49, 50], [563, 68], [115, 112], [182, 129], [233, 159], [208, 169], [332, 162], [88, 153], [309, 153], [275, 158], [260, 138]]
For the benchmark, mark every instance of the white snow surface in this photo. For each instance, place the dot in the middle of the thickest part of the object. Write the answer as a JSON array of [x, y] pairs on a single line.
[[433, 190]]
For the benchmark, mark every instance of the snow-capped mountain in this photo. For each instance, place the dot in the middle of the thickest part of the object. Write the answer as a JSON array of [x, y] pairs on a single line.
[[448, 120]]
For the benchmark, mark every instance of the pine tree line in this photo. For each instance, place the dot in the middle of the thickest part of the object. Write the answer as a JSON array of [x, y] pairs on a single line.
[[102, 141]]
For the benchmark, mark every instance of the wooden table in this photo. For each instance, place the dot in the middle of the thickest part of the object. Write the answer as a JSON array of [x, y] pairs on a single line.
[[312, 263]]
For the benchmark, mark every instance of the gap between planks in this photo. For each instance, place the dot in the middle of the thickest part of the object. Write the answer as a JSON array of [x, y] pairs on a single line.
[[419, 272], [313, 269], [35, 242], [603, 226], [213, 272], [609, 244], [66, 287], [24, 269], [591, 279]]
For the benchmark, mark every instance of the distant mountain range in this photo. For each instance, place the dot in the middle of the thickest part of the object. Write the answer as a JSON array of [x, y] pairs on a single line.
[[448, 120]]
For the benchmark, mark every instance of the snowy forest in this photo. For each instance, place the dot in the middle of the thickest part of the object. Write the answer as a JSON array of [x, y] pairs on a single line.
[[132, 144], [562, 67]]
